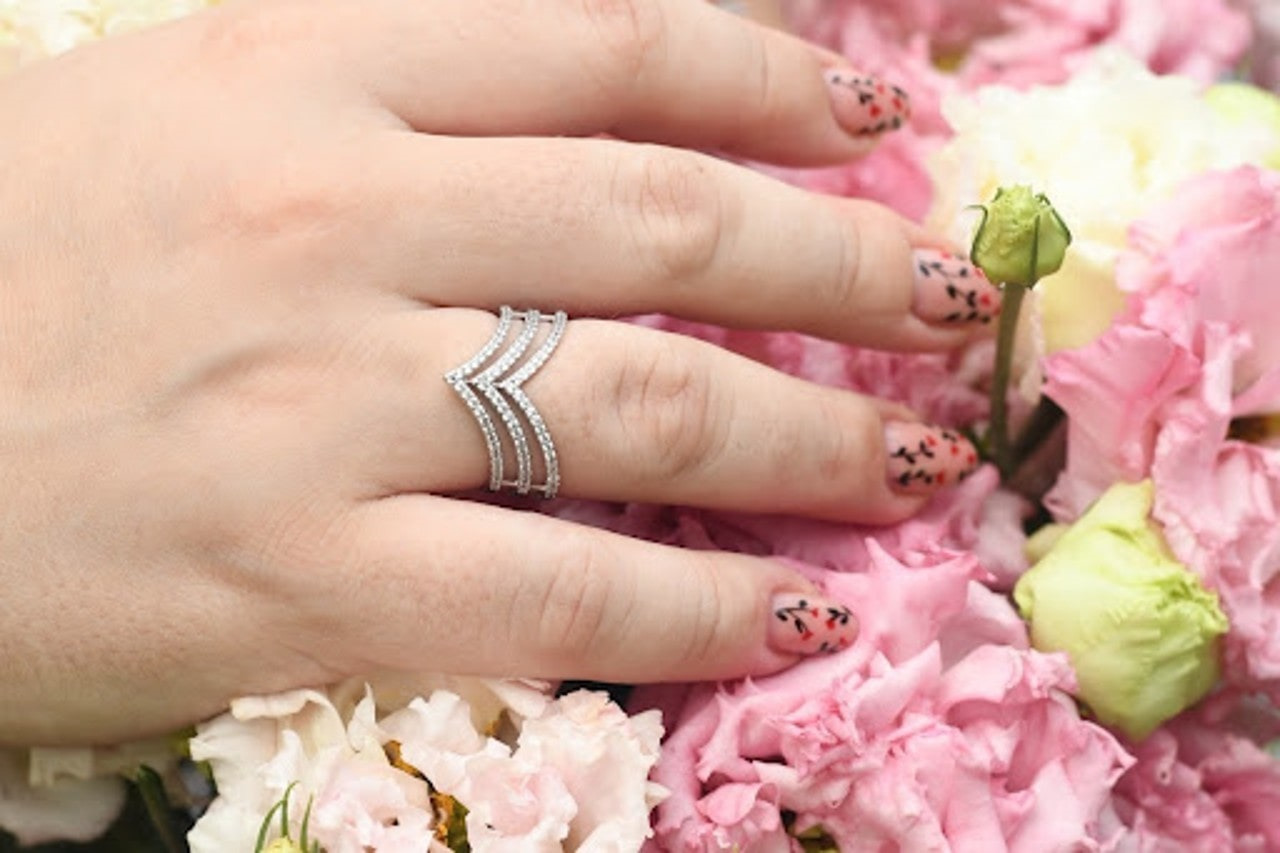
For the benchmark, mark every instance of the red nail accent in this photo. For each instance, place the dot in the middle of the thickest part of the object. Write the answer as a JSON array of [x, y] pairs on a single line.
[[806, 624], [952, 291], [917, 462], [865, 105]]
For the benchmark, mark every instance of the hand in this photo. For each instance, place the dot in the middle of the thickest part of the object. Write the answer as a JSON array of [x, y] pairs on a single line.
[[237, 256]]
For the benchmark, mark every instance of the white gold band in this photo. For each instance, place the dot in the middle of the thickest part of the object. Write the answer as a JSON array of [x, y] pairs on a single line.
[[490, 384]]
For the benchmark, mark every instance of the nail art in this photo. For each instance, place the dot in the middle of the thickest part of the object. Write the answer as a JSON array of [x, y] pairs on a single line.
[[950, 290], [865, 105], [810, 625], [924, 458]]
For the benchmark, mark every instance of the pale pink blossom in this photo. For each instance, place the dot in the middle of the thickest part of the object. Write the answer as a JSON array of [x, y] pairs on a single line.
[[1201, 784], [1020, 42], [577, 776], [939, 729]]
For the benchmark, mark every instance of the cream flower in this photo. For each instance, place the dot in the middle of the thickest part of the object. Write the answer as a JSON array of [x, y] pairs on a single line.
[[34, 30], [1106, 146]]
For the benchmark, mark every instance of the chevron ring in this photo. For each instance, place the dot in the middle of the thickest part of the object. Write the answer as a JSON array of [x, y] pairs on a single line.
[[490, 385]]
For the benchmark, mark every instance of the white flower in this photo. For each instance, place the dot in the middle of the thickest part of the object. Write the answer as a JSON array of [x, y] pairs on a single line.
[[1106, 146], [71, 793], [69, 808]]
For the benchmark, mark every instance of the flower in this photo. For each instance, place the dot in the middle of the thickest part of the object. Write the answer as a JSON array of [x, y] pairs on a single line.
[[1139, 628], [1108, 147], [577, 774], [72, 809], [1021, 238], [938, 729], [30, 31], [1203, 784], [1251, 110]]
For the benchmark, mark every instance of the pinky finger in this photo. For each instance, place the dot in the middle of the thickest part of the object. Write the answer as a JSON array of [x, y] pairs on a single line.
[[476, 589]]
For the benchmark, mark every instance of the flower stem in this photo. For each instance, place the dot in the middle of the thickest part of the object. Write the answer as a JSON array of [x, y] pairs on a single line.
[[998, 443], [156, 802]]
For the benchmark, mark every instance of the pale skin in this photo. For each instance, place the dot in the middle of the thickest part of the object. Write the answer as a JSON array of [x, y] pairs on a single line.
[[239, 252]]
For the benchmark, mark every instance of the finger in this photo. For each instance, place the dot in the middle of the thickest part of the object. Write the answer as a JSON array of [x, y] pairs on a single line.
[[674, 71], [640, 415], [607, 228], [475, 589]]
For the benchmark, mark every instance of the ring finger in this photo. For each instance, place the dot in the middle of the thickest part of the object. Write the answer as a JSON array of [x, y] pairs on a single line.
[[637, 414]]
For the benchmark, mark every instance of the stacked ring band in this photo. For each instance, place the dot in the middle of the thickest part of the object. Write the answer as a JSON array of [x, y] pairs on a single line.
[[490, 386]]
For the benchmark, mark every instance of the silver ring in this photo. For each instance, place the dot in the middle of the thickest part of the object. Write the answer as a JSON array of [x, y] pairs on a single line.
[[490, 384]]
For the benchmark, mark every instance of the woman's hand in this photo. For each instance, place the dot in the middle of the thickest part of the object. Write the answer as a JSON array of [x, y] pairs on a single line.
[[239, 253]]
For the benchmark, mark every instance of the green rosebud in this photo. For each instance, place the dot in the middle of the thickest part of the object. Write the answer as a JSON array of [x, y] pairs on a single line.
[[1140, 630], [1021, 238]]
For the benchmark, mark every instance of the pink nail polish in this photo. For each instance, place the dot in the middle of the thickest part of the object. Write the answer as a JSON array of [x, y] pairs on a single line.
[[805, 624], [924, 458], [865, 105], [950, 290]]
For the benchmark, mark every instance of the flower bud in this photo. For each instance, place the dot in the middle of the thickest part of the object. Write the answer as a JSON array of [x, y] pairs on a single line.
[[1021, 238], [1140, 630]]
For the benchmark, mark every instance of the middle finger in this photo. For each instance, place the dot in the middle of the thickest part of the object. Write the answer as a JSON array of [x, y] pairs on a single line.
[[607, 228]]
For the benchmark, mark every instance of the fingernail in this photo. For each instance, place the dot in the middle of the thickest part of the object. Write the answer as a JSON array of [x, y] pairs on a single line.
[[924, 458], [865, 105], [805, 624], [950, 290]]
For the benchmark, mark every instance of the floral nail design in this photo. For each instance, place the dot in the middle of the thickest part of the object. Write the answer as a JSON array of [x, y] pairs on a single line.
[[924, 458], [951, 290], [809, 624], [866, 105]]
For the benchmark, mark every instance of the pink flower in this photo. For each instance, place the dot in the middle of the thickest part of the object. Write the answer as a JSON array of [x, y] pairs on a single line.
[[1200, 786], [1021, 42], [937, 730]]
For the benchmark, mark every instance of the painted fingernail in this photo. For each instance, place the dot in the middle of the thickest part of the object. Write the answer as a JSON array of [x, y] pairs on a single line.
[[805, 624], [951, 291], [865, 105], [924, 458]]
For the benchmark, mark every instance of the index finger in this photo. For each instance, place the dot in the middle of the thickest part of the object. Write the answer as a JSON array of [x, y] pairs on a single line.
[[681, 72]]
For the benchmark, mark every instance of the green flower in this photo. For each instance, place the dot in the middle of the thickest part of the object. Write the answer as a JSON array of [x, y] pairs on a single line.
[[1021, 238], [1141, 631]]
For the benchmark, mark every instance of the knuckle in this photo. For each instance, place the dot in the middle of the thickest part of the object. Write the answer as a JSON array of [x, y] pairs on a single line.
[[667, 407], [250, 32], [833, 448], [628, 31], [841, 290], [280, 200], [675, 209], [703, 628], [578, 604]]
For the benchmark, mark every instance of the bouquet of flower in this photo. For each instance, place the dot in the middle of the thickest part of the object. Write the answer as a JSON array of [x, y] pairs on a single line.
[[1078, 648]]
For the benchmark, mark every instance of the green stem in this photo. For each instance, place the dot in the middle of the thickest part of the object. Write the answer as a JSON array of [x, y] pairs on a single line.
[[998, 443], [156, 802]]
